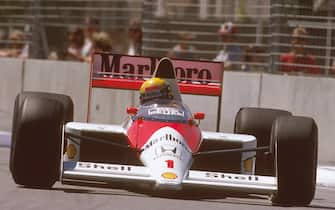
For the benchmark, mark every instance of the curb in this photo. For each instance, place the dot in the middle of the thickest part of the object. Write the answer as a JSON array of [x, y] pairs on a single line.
[[5, 138], [326, 176]]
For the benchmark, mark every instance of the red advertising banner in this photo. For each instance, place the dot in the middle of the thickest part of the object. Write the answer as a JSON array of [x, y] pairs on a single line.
[[128, 72]]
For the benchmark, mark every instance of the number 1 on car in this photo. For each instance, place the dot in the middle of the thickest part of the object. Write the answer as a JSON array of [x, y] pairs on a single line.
[[170, 163]]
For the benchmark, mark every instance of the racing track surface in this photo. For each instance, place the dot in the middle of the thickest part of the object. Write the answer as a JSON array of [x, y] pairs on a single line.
[[13, 197]]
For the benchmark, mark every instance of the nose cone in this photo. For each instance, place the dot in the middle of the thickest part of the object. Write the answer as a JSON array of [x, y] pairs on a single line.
[[168, 158]]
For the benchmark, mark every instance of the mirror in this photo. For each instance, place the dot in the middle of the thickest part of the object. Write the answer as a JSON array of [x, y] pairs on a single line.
[[132, 110], [199, 115]]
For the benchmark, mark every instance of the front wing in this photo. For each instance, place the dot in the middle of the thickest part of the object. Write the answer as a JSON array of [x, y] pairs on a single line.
[[87, 172]]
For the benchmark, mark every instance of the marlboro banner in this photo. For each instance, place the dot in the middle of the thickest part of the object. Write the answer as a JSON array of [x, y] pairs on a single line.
[[128, 72]]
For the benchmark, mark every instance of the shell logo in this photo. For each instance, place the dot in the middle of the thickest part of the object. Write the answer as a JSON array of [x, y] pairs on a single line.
[[169, 175], [71, 151]]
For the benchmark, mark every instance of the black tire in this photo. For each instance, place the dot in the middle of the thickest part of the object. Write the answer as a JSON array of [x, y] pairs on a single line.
[[295, 147], [65, 100], [258, 122], [36, 137]]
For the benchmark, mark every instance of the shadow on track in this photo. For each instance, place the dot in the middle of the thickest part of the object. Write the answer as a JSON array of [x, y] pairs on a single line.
[[209, 196]]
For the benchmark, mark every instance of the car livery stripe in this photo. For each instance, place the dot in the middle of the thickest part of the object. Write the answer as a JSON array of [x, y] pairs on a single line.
[[141, 131]]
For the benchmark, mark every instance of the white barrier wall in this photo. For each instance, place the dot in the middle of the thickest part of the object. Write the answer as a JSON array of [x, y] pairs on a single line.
[[109, 105], [307, 96], [302, 95], [69, 78], [10, 86], [206, 104], [239, 90]]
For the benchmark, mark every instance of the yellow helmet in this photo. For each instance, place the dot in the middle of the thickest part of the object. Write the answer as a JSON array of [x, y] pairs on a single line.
[[155, 88]]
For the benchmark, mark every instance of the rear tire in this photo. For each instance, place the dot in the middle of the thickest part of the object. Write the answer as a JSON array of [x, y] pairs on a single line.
[[36, 137], [295, 148], [258, 122]]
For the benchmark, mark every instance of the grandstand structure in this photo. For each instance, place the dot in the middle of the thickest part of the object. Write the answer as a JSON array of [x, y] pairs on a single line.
[[267, 24]]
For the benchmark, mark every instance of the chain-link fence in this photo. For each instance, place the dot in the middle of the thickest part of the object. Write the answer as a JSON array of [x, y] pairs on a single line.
[[292, 36], [47, 23], [166, 24], [302, 36]]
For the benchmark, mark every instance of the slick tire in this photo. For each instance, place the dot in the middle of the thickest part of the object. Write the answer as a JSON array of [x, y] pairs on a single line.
[[36, 137], [295, 146], [258, 122]]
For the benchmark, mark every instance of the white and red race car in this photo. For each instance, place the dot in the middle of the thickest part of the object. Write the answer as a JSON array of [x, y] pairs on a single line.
[[161, 146]]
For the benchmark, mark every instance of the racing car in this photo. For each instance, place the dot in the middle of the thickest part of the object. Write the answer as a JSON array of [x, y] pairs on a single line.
[[161, 146]]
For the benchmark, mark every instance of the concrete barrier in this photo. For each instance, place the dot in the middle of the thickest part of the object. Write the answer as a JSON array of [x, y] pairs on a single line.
[[239, 90], [10, 86], [70, 78], [109, 105], [307, 96], [302, 95], [208, 105]]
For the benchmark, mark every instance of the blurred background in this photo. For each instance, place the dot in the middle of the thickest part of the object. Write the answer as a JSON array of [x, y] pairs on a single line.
[[284, 36]]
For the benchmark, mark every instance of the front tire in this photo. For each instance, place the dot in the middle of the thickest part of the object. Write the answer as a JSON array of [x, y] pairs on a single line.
[[295, 144], [258, 122], [36, 137]]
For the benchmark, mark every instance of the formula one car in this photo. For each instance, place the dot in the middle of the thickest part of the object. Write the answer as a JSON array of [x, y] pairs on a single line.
[[161, 146]]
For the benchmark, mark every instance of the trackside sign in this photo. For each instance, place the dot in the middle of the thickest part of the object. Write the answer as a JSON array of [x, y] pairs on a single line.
[[129, 72]]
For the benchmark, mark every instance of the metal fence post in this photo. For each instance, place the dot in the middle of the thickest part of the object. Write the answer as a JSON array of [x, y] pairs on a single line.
[[39, 46], [329, 41], [275, 22]]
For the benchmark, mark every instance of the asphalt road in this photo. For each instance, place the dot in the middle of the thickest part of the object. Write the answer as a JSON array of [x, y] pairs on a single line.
[[13, 197]]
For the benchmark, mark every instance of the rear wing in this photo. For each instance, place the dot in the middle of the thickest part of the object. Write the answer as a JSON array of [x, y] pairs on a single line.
[[128, 72]]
